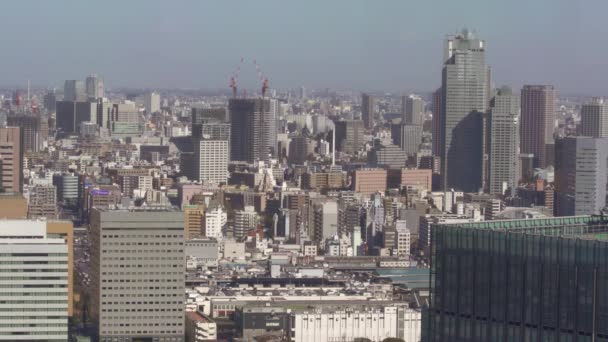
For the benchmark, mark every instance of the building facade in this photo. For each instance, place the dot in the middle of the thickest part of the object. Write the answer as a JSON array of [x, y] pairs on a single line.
[[137, 283], [253, 129], [594, 119], [464, 100], [538, 122], [367, 110], [504, 142]]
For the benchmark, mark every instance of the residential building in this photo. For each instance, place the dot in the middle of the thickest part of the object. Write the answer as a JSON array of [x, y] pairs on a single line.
[[11, 157], [215, 221], [244, 221]]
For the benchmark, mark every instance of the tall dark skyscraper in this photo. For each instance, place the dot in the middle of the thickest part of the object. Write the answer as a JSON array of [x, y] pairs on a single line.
[[538, 122], [464, 102], [367, 110], [438, 124], [349, 136], [253, 135]]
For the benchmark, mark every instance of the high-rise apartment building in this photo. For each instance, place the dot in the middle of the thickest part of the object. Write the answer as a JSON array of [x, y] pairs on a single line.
[[253, 129], [538, 123], [11, 157], [74, 91], [368, 110], [212, 160], [244, 221], [412, 110], [465, 99], [137, 274], [594, 119], [215, 220], [349, 136], [581, 171], [504, 142], [152, 103], [34, 268], [94, 87]]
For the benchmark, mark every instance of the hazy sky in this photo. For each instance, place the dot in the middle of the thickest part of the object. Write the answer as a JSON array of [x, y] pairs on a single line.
[[368, 45]]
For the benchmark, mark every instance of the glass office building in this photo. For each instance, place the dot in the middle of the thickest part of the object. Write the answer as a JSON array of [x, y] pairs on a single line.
[[519, 280]]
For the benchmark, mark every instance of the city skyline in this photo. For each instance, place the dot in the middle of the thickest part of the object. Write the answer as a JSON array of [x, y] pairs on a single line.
[[193, 45]]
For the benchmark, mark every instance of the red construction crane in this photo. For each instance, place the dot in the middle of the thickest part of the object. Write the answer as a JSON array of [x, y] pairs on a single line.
[[234, 78]]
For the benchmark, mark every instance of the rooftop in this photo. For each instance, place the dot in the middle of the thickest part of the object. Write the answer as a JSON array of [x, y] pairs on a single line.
[[593, 227]]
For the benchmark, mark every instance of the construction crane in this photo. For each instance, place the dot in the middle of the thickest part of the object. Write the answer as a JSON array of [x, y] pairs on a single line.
[[234, 78]]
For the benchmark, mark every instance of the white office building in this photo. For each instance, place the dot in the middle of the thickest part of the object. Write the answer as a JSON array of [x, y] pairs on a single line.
[[213, 156], [244, 221], [215, 220], [33, 270]]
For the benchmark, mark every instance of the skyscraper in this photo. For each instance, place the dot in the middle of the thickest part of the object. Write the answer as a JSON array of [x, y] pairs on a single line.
[[581, 165], [253, 129], [594, 119], [504, 142], [74, 90], [137, 284], [413, 110], [538, 122], [94, 87], [11, 156], [152, 102], [367, 110], [464, 98]]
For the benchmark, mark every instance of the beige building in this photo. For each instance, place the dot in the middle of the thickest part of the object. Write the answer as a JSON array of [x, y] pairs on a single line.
[[369, 181], [11, 155], [12, 206], [417, 177]]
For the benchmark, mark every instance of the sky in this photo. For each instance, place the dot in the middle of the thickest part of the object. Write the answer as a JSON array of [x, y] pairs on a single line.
[[365, 45]]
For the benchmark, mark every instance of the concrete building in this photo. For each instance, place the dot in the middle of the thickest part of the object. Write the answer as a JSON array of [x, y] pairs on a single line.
[[43, 202], [33, 137], [438, 122], [594, 119], [369, 181], [152, 102], [410, 138], [325, 220], [74, 90], [125, 120], [413, 110], [253, 129], [504, 142], [244, 221], [349, 136], [94, 87], [465, 99], [12, 206], [581, 166], [417, 178], [402, 246], [538, 123], [34, 302], [373, 322], [212, 160], [202, 115], [390, 156], [215, 221], [368, 109], [194, 216], [11, 157], [137, 284], [199, 327]]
